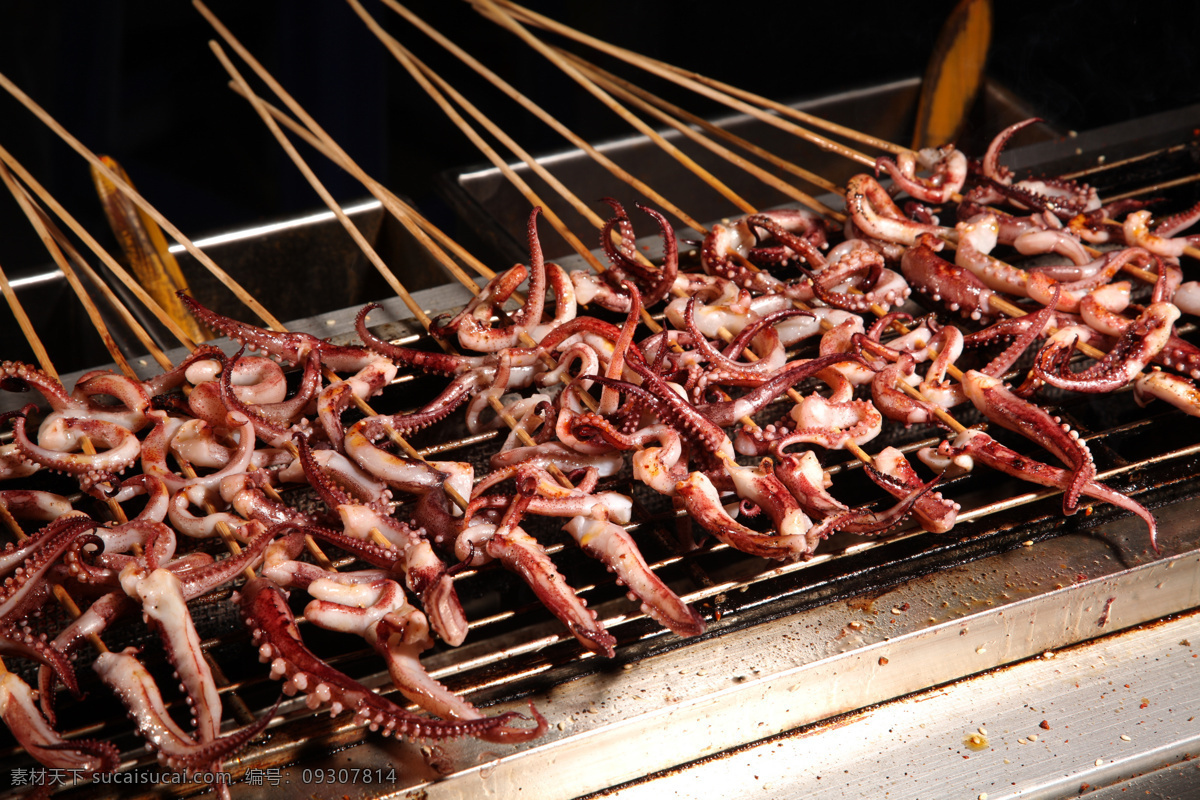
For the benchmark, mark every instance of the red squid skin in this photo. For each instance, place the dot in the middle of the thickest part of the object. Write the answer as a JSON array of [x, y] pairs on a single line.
[[273, 628]]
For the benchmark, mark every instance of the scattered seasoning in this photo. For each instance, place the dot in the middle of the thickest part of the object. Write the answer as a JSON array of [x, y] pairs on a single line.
[[1027, 543], [1044, 724], [983, 796], [883, 661], [1022, 741], [982, 731], [1033, 737], [855, 625], [975, 741], [1186, 643], [1125, 738], [1099, 762], [896, 611], [627, 667], [981, 649], [701, 672]]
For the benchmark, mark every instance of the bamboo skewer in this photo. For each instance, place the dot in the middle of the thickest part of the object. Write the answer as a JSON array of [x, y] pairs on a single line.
[[65, 248], [425, 77], [49, 202], [1157, 187], [317, 186], [420, 72], [1122, 162], [394, 204], [549, 119], [389, 200], [676, 117], [655, 66], [26, 326], [504, 16], [35, 219], [620, 110], [141, 202]]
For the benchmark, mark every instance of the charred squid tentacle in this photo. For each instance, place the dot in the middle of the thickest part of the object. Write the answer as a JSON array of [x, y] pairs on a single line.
[[125, 675], [611, 544], [980, 446], [1007, 410], [35, 734], [273, 627]]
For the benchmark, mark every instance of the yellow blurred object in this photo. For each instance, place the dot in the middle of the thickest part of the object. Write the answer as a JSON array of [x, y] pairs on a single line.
[[954, 74], [146, 248]]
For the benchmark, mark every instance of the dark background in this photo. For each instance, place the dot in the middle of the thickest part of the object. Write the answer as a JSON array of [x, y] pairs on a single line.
[[135, 79]]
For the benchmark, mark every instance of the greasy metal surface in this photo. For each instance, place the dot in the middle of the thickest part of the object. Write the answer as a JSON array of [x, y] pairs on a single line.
[[1115, 717]]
